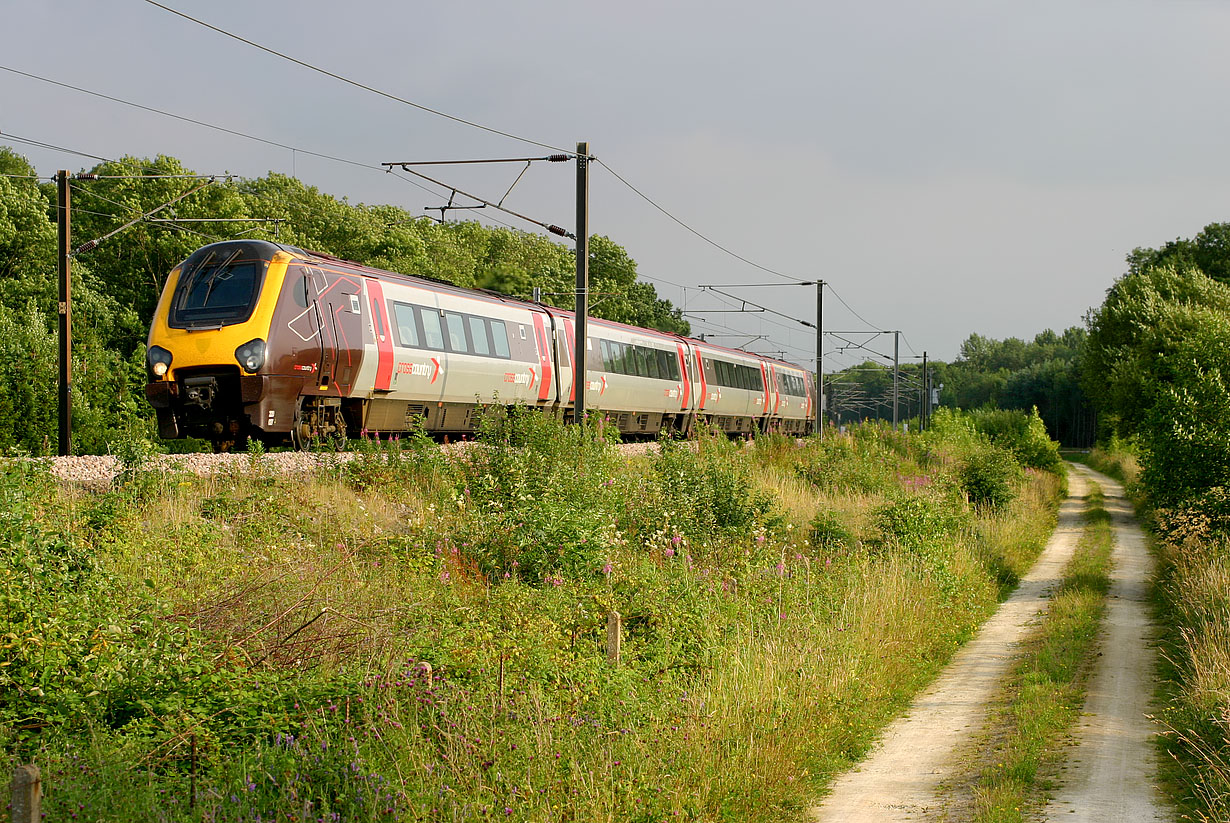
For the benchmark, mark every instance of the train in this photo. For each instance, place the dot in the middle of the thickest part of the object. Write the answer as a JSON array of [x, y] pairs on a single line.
[[255, 339]]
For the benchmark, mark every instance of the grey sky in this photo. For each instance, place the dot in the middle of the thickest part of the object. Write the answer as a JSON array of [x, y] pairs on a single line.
[[949, 167]]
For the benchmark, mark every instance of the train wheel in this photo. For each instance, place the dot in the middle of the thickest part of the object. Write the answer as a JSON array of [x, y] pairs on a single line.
[[317, 426]]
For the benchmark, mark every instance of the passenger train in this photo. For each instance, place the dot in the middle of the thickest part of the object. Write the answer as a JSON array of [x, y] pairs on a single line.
[[262, 340]]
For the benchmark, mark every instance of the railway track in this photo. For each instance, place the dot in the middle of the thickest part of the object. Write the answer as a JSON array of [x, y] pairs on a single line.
[[100, 470]]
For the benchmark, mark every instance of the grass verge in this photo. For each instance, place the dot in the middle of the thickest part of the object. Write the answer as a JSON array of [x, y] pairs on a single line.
[[417, 635]]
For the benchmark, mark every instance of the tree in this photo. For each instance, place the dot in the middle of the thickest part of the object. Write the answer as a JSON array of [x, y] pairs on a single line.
[[1208, 252], [1133, 334]]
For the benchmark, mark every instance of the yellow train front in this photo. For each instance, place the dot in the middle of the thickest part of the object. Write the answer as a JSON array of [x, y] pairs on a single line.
[[214, 371]]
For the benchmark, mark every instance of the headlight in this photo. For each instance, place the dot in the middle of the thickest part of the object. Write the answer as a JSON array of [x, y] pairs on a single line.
[[159, 360], [251, 355]]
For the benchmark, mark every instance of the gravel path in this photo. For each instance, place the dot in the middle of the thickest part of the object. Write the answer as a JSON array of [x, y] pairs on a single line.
[[1111, 772], [898, 781]]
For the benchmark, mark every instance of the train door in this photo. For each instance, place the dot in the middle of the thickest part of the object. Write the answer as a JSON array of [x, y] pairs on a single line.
[[383, 333], [315, 352]]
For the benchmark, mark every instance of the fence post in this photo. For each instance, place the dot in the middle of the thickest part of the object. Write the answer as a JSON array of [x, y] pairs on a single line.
[[613, 631], [27, 791]]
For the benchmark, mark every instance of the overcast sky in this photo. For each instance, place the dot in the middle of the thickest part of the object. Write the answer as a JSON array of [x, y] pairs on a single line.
[[947, 167]]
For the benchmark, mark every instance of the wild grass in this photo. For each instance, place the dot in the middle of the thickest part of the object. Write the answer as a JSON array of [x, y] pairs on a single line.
[[1194, 600], [1045, 691], [420, 637]]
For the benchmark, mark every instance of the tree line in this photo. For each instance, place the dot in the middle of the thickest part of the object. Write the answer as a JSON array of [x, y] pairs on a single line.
[[1148, 357]]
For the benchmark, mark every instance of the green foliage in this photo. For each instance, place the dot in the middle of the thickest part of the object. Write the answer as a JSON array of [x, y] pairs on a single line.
[[1186, 436], [703, 492], [989, 476], [1207, 252], [1022, 434], [918, 524], [276, 625], [828, 533], [543, 490], [1146, 318], [857, 463]]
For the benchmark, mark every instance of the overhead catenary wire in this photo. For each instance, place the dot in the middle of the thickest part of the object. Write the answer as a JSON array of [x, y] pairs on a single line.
[[215, 127], [52, 147], [697, 233], [541, 224], [369, 166], [355, 83]]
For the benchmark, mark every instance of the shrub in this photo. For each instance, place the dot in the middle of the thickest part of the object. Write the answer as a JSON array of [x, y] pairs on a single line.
[[536, 495], [828, 532], [917, 524], [989, 477], [1022, 434]]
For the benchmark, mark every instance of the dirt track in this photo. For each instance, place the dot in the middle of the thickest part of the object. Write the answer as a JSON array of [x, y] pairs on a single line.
[[1112, 767], [1111, 781]]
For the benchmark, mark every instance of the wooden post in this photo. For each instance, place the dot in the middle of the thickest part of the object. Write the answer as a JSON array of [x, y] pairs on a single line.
[[614, 626], [27, 795]]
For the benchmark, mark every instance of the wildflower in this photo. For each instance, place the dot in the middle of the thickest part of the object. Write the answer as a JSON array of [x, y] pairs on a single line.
[[606, 568], [669, 553]]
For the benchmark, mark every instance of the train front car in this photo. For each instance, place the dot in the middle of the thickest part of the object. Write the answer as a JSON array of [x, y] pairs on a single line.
[[213, 373]]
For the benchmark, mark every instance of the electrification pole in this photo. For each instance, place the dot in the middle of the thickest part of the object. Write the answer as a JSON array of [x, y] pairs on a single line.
[[896, 374], [64, 244], [925, 409], [820, 358], [582, 307]]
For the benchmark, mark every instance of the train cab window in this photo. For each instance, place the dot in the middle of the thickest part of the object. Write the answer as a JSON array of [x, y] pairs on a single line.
[[217, 289], [478, 335], [407, 326], [457, 333], [499, 339], [433, 334]]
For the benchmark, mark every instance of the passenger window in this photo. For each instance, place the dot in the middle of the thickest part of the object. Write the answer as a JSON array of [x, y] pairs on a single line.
[[499, 339], [664, 364], [617, 357], [478, 335], [432, 333], [407, 328], [457, 333], [652, 369]]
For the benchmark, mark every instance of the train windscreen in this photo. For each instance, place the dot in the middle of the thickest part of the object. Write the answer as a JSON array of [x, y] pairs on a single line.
[[218, 288]]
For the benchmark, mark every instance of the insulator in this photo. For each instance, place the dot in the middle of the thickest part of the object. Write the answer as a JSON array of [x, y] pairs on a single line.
[[559, 158]]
